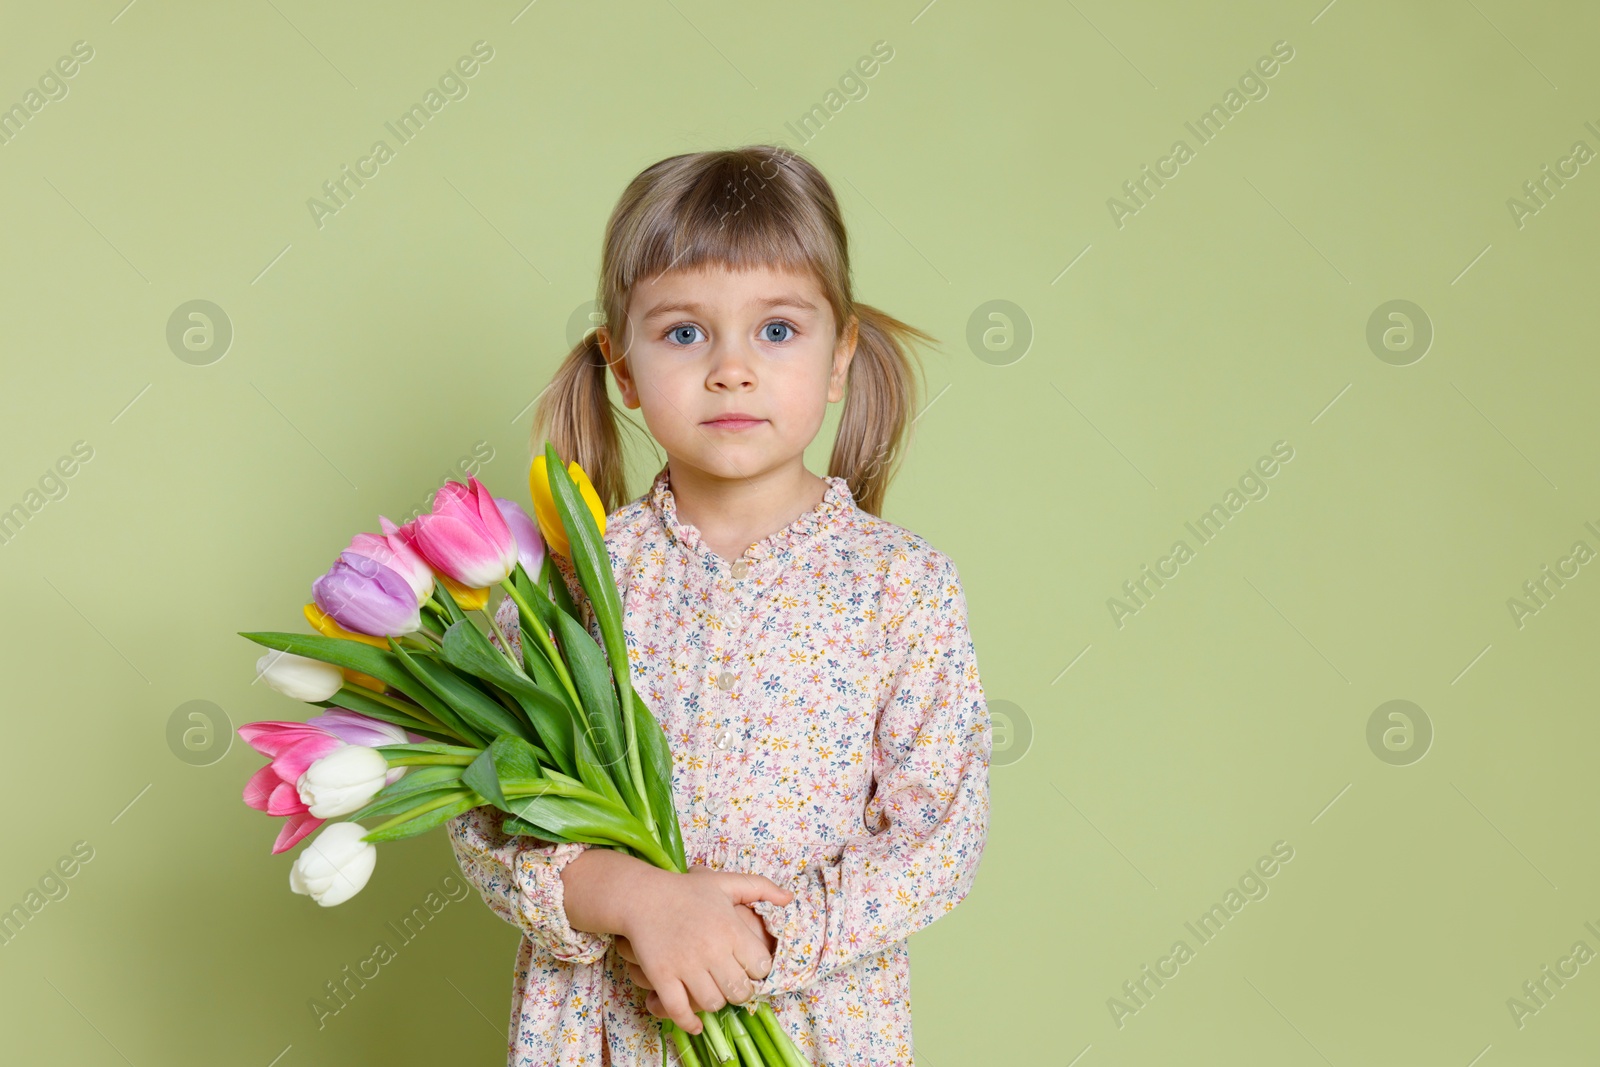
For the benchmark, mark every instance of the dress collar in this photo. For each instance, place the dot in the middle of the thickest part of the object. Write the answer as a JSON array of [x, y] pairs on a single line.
[[836, 504]]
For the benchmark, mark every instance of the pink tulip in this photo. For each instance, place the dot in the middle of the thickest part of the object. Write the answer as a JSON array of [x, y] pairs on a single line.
[[530, 542], [392, 551], [465, 536], [295, 746]]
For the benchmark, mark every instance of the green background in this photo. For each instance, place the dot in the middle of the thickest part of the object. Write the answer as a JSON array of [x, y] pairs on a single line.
[[1114, 402]]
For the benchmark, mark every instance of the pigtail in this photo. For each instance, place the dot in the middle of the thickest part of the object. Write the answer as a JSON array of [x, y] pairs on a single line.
[[883, 399], [577, 416]]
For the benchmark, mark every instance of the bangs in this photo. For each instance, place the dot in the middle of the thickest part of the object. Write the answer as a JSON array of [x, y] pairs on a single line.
[[743, 212]]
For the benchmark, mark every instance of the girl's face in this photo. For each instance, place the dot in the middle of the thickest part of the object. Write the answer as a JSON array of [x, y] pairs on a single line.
[[709, 344]]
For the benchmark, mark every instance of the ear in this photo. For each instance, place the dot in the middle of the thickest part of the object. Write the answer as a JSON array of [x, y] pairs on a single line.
[[843, 353], [619, 369]]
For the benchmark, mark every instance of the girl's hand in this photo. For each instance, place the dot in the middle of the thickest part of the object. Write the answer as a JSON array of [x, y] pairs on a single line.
[[636, 973], [692, 940]]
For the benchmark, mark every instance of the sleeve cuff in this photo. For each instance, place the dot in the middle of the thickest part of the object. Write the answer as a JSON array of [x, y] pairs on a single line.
[[544, 903], [783, 923], [521, 881]]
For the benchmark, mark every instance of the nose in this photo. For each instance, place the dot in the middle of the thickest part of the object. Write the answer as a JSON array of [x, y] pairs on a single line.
[[732, 366]]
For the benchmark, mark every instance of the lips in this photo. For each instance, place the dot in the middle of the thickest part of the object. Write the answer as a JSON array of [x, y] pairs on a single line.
[[733, 420]]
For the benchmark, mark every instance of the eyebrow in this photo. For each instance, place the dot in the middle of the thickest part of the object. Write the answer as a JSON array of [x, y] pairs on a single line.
[[792, 300]]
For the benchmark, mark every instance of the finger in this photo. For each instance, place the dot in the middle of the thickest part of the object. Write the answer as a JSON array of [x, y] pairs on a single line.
[[625, 949], [734, 983], [674, 1001], [749, 888], [752, 920], [638, 977], [652, 1004], [705, 992], [750, 952]]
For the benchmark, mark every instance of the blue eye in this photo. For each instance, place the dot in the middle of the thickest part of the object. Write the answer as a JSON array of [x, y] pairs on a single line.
[[779, 324], [684, 334]]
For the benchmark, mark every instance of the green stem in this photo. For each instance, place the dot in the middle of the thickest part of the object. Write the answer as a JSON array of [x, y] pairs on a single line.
[[716, 1038], [758, 1033], [531, 622], [416, 711], [625, 691], [505, 646], [686, 1053], [630, 735], [741, 1037], [792, 1056], [430, 759], [421, 809]]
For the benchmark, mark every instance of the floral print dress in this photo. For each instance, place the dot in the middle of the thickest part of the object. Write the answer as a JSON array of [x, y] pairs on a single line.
[[821, 698]]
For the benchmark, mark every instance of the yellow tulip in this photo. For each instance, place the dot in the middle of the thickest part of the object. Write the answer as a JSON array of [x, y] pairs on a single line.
[[366, 681], [466, 598], [323, 623], [544, 504]]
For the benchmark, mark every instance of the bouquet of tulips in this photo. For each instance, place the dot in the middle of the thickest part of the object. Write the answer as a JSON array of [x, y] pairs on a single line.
[[427, 717]]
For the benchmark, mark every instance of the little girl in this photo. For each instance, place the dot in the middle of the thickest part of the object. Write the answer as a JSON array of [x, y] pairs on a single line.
[[809, 661]]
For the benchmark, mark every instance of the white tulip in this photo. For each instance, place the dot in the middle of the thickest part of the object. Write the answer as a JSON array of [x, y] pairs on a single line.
[[335, 865], [343, 780], [300, 677]]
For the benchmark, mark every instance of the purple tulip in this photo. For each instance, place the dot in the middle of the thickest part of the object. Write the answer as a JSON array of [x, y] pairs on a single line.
[[530, 543], [354, 728], [366, 597]]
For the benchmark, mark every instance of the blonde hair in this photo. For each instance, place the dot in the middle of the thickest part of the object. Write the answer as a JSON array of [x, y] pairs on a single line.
[[760, 205]]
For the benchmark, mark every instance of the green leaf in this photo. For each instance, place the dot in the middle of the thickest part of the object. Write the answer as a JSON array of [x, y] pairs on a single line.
[[590, 559], [536, 598], [481, 776], [550, 575], [360, 656], [351, 698], [396, 805], [590, 771], [516, 760], [484, 715], [417, 785], [430, 748], [592, 678], [468, 650], [427, 820], [515, 826], [418, 778], [447, 603], [342, 652], [593, 565], [544, 674], [655, 756], [575, 819]]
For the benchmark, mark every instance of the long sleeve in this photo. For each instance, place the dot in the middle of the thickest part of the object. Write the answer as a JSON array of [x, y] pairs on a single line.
[[930, 799], [518, 877], [521, 882]]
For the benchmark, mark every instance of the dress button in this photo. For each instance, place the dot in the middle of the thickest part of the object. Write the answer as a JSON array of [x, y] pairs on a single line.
[[725, 680], [724, 738], [713, 805], [741, 567]]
